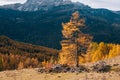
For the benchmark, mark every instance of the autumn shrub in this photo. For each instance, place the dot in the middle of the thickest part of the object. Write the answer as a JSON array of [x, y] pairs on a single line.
[[101, 67]]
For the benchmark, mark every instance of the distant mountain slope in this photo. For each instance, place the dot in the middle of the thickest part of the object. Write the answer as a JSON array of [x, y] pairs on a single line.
[[43, 27], [8, 46], [118, 12]]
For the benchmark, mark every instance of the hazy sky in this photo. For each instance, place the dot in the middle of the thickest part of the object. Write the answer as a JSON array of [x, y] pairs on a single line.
[[109, 4]]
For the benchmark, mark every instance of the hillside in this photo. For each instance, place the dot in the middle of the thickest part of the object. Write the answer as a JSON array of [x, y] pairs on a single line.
[[9, 46], [44, 27]]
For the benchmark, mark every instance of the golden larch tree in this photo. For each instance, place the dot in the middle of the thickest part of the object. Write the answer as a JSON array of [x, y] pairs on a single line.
[[75, 42]]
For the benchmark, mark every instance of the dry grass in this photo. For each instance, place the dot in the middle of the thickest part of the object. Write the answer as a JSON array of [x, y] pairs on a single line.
[[32, 74]]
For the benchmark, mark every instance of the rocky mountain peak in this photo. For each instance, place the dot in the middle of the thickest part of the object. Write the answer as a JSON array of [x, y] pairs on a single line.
[[35, 5], [47, 2]]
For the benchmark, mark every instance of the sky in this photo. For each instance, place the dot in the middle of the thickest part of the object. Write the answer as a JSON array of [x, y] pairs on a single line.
[[108, 4]]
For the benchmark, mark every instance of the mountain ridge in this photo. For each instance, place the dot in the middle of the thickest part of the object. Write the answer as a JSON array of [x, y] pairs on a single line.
[[35, 5]]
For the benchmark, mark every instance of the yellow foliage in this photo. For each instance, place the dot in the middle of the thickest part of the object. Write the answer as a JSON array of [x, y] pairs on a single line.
[[81, 60], [20, 65], [100, 51], [75, 42]]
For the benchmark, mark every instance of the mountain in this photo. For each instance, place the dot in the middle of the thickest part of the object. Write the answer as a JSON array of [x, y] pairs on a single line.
[[43, 27], [118, 12], [8, 46], [35, 5]]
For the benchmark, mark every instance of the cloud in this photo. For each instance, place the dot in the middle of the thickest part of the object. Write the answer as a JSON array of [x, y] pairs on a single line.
[[3, 2], [109, 4], [14, 0]]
